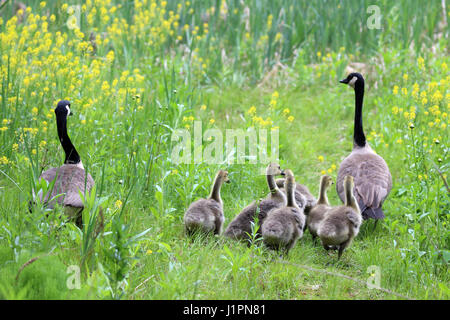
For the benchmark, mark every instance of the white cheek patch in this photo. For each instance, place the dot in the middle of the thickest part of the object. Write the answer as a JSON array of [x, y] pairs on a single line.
[[68, 110], [80, 165], [352, 82]]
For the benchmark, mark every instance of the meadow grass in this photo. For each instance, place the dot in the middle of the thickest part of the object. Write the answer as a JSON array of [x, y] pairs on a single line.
[[135, 72]]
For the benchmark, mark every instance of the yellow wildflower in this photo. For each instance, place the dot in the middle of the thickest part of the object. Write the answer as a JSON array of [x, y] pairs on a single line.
[[395, 110], [395, 90], [118, 204], [275, 95]]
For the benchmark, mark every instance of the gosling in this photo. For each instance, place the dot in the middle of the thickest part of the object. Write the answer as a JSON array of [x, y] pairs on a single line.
[[341, 224], [206, 215], [303, 196], [317, 213], [284, 226], [241, 226]]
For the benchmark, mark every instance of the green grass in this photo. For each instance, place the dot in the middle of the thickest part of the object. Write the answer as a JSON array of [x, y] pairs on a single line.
[[127, 105]]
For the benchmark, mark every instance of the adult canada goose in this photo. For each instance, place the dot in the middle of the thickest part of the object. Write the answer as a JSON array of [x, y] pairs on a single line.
[[303, 196], [317, 213], [341, 224], [373, 181], [206, 215], [241, 226], [283, 226], [71, 178]]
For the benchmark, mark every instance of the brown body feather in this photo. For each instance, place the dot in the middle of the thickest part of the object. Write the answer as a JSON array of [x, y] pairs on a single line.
[[317, 213], [241, 226], [284, 226], [206, 215], [303, 196], [70, 180], [341, 224], [373, 181]]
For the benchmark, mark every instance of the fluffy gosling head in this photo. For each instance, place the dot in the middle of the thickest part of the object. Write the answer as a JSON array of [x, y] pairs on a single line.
[[223, 175], [274, 169], [290, 179], [354, 80], [326, 181], [348, 182]]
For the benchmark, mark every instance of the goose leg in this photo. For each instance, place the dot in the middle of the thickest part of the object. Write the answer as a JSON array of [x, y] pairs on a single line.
[[375, 225], [342, 248]]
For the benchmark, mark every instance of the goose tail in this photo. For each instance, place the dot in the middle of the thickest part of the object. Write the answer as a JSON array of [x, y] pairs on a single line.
[[370, 213]]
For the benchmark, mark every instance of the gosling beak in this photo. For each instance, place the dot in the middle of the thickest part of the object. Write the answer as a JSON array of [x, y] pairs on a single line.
[[282, 173], [344, 81], [228, 181]]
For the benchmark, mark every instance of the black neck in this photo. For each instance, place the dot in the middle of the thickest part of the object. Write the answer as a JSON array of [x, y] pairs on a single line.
[[358, 134], [72, 156]]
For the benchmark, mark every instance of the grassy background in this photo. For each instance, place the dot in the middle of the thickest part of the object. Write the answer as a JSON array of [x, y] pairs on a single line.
[[134, 72]]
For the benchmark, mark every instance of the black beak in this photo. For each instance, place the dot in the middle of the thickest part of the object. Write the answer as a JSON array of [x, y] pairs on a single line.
[[228, 181], [345, 81], [282, 173]]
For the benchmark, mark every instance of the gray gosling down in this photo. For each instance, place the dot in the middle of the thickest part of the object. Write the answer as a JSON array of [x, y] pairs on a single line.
[[317, 213], [284, 226], [303, 196], [206, 215], [341, 224], [241, 226]]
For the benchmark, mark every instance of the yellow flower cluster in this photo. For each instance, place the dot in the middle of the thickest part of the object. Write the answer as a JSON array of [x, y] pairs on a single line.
[[421, 63], [330, 170], [118, 204], [273, 101], [4, 160], [264, 123]]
